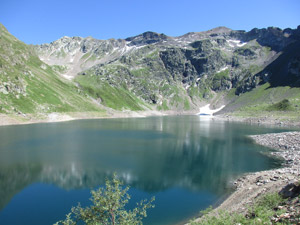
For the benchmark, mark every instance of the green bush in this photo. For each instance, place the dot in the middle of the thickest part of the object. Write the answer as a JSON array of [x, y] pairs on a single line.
[[108, 207], [283, 105]]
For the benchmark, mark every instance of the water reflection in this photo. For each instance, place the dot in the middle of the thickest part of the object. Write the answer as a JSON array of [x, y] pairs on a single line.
[[151, 154]]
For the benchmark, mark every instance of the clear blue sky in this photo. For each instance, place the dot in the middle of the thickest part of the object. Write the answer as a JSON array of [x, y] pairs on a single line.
[[43, 21]]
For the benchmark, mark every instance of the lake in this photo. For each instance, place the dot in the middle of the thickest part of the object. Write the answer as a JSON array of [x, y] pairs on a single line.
[[186, 162]]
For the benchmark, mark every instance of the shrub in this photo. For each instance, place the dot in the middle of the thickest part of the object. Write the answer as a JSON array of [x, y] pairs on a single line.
[[108, 207], [283, 105]]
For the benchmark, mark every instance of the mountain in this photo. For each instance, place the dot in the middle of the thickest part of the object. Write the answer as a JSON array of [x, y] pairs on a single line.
[[29, 87], [245, 71]]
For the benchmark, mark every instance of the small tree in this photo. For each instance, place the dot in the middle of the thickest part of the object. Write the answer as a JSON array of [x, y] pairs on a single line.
[[108, 207]]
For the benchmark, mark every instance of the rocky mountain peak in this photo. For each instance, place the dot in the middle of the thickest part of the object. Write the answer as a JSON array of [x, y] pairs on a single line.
[[148, 37], [219, 30], [196, 64], [273, 37]]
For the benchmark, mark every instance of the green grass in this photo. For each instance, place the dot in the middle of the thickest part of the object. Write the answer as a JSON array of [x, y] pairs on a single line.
[[92, 58], [255, 69], [267, 50], [219, 78], [163, 106], [264, 96], [59, 68], [153, 55], [222, 74], [114, 97], [143, 72], [280, 103], [244, 51], [193, 92], [283, 105], [85, 56], [186, 104], [259, 213], [42, 90]]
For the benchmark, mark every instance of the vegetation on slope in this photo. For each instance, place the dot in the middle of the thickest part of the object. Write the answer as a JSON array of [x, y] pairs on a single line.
[[269, 209], [283, 105], [142, 76], [253, 70], [27, 85], [266, 101], [118, 98]]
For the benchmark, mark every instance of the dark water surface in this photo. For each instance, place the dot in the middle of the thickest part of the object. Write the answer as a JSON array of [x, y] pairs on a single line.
[[186, 162]]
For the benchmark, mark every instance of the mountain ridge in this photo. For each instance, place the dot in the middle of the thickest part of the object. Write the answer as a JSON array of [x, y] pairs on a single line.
[[159, 72]]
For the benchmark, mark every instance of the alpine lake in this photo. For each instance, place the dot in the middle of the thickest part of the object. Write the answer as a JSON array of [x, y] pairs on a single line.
[[187, 162]]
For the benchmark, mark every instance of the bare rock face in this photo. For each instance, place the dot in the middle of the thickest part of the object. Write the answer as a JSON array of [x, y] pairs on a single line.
[[147, 38], [196, 64]]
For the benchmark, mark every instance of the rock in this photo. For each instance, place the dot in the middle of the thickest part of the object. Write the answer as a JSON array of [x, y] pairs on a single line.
[[147, 38], [290, 191], [259, 178]]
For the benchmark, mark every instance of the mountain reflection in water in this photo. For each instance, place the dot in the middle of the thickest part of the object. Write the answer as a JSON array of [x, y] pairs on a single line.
[[152, 155]]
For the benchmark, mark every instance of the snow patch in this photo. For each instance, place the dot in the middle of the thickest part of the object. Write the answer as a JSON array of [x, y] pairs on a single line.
[[138, 47], [68, 77], [222, 69], [241, 45], [126, 49], [115, 49], [233, 43], [206, 111]]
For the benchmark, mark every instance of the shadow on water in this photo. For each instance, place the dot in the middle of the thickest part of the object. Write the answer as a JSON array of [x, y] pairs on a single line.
[[180, 160]]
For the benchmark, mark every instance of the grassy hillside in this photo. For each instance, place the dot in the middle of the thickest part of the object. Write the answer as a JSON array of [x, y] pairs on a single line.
[[29, 86], [265, 101], [118, 98]]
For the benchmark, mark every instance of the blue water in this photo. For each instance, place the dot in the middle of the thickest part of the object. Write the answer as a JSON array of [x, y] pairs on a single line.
[[185, 162]]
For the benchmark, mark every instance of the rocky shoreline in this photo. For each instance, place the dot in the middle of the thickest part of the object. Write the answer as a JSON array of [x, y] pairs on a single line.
[[268, 120], [251, 186]]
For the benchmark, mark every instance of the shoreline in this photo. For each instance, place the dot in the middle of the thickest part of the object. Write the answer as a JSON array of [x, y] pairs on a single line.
[[277, 121], [12, 119], [251, 186], [8, 120]]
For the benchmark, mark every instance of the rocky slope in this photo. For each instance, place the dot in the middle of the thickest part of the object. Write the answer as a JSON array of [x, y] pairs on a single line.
[[246, 71], [285, 180], [178, 73]]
